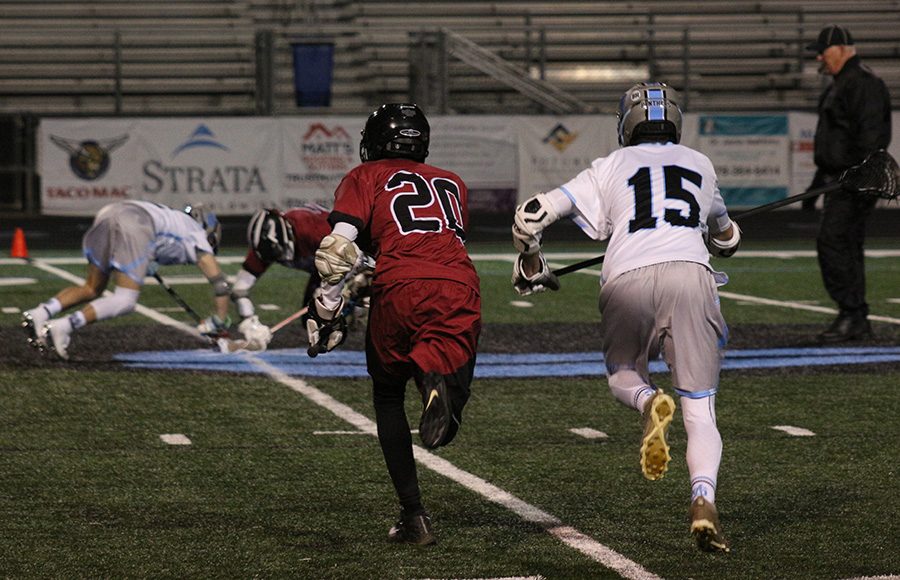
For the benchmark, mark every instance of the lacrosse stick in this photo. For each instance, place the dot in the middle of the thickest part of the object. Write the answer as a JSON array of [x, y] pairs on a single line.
[[877, 176], [228, 345], [171, 291], [187, 307]]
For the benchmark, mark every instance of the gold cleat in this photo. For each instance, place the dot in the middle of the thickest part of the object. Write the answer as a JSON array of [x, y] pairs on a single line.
[[655, 456], [705, 527]]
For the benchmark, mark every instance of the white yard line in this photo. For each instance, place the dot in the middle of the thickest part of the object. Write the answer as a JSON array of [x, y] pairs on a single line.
[[509, 257], [175, 439], [795, 431], [568, 535], [554, 526]]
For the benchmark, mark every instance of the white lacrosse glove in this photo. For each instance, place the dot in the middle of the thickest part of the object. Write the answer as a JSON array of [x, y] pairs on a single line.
[[725, 248], [214, 326], [335, 257], [531, 218], [255, 332], [540, 281], [325, 326]]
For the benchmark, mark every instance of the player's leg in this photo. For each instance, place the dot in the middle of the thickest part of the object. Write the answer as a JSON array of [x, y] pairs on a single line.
[[447, 326], [704, 454], [628, 328], [693, 345], [122, 242], [390, 369], [58, 332]]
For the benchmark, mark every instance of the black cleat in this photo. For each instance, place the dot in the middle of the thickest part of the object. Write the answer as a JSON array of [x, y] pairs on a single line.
[[414, 529], [847, 327], [436, 413]]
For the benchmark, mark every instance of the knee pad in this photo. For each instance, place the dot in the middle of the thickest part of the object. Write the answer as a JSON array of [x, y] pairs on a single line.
[[122, 301]]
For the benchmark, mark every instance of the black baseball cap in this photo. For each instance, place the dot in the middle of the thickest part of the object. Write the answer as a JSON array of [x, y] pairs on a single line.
[[832, 35]]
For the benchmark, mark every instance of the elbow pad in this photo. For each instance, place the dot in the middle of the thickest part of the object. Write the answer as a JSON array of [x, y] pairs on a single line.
[[220, 285], [725, 248]]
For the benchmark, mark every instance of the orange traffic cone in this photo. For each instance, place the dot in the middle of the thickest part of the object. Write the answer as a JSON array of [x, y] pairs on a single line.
[[19, 249]]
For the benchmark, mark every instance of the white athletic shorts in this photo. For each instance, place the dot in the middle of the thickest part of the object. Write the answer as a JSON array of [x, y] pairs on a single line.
[[122, 238], [671, 309]]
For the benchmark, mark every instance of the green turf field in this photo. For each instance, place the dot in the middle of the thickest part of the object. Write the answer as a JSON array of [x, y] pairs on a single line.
[[283, 479]]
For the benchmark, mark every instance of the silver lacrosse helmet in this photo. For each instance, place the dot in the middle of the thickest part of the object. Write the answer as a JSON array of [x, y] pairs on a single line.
[[270, 236], [208, 221], [651, 111]]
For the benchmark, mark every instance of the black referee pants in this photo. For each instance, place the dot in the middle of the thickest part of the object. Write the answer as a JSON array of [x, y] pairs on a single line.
[[842, 235]]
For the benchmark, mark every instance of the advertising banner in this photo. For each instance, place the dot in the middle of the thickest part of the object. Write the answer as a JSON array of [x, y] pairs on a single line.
[[553, 150], [483, 151], [85, 164], [230, 165], [803, 131], [751, 154], [316, 154]]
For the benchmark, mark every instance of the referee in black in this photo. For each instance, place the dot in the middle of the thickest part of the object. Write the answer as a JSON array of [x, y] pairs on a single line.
[[854, 121]]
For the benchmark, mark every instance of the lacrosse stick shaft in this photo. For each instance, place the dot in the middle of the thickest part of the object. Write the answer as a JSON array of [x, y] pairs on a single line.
[[831, 188], [171, 291], [289, 319]]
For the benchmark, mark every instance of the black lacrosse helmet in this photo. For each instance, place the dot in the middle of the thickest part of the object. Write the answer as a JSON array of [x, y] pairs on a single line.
[[395, 130], [270, 236]]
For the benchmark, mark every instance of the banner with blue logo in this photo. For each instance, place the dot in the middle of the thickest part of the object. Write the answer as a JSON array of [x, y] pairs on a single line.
[[751, 154]]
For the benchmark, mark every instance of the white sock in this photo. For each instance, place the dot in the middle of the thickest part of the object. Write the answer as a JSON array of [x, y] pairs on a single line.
[[630, 389], [77, 320], [704, 445], [52, 307]]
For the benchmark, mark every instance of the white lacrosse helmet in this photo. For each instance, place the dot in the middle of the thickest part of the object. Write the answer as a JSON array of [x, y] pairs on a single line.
[[270, 236], [649, 110], [208, 221]]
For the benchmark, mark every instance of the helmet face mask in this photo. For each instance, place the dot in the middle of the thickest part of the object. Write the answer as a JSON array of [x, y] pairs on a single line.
[[208, 221], [395, 130], [649, 111], [270, 236]]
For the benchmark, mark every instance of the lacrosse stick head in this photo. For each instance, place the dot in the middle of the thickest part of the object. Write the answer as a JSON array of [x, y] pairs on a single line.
[[878, 176]]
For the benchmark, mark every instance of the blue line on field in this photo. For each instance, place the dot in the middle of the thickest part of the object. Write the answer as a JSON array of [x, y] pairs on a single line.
[[352, 364]]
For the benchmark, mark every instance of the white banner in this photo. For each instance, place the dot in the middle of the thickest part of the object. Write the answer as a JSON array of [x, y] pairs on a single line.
[[751, 154], [553, 150], [239, 164], [317, 153], [229, 164], [803, 131]]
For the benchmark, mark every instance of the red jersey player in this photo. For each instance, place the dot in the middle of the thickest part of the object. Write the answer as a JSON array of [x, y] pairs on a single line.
[[289, 238], [425, 314]]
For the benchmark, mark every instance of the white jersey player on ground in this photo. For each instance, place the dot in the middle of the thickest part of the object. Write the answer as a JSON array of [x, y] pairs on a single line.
[[658, 205], [124, 242]]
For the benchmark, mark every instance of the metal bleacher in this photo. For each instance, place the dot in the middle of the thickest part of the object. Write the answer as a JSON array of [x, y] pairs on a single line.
[[178, 57], [121, 57]]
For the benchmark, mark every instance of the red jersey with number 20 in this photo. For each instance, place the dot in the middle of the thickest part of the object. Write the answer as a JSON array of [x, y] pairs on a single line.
[[415, 216]]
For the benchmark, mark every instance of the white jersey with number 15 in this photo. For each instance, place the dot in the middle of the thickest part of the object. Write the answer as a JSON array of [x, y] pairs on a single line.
[[652, 202]]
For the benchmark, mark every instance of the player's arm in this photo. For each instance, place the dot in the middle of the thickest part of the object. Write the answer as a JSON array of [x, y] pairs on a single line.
[[724, 236], [220, 321], [336, 257], [530, 271]]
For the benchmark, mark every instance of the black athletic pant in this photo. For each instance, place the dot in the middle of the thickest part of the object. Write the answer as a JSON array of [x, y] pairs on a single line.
[[840, 244], [396, 443]]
